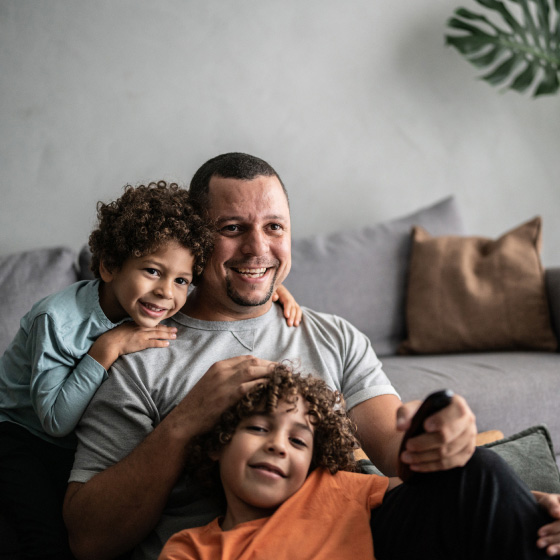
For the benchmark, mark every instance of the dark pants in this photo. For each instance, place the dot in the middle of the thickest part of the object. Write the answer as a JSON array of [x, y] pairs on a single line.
[[33, 480], [481, 511]]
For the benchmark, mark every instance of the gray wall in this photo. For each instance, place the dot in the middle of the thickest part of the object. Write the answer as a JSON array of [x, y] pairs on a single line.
[[357, 103]]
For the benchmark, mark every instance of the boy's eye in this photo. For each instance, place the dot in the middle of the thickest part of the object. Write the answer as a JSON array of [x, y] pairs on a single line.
[[258, 429], [299, 442], [182, 281], [151, 271]]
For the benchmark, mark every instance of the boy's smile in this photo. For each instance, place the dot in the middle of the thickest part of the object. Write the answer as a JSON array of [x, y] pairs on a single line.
[[148, 289], [266, 461]]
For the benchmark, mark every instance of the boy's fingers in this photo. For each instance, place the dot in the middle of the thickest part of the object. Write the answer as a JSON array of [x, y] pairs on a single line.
[[156, 343]]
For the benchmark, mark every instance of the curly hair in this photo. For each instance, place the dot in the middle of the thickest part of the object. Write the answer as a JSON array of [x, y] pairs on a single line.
[[142, 220], [334, 437]]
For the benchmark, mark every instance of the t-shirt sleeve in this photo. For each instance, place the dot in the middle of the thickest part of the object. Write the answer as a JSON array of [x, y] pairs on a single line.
[[118, 418], [61, 384], [363, 376]]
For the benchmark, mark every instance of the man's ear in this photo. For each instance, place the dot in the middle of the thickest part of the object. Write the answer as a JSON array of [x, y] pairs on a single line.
[[106, 274]]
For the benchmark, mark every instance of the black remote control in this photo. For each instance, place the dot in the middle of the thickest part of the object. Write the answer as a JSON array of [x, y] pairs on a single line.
[[432, 404]]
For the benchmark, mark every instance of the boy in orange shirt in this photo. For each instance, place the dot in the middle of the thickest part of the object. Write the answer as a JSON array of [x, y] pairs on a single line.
[[282, 459], [284, 453]]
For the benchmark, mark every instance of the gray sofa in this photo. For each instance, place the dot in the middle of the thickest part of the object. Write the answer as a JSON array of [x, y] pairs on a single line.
[[360, 275]]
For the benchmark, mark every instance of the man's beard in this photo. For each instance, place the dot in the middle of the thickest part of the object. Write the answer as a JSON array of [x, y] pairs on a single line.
[[246, 301]]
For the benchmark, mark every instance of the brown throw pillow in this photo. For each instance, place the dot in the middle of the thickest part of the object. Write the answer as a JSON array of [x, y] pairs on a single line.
[[474, 294]]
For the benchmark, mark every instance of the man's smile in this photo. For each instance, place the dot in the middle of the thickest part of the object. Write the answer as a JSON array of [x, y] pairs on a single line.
[[251, 272]]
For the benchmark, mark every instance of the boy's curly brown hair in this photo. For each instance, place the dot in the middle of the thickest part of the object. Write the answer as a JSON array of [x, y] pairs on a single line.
[[142, 220], [334, 436]]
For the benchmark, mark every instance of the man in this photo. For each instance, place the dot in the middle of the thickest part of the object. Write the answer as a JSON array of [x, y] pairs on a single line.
[[126, 488]]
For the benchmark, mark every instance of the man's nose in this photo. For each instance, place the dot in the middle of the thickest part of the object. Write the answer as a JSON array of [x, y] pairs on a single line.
[[255, 243]]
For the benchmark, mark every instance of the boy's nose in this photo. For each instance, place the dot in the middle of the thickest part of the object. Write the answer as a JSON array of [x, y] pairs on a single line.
[[277, 446], [164, 289]]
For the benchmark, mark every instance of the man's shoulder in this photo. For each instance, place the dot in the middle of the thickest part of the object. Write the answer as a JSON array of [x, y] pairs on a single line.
[[328, 320]]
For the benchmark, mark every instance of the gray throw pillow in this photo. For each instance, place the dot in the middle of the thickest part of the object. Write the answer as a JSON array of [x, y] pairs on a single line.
[[28, 277], [361, 275], [531, 455]]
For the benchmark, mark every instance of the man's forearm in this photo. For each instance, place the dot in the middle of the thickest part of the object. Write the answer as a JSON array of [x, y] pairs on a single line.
[[376, 421], [117, 508]]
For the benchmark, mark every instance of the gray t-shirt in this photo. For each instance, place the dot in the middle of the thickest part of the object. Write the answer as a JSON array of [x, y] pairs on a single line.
[[144, 387]]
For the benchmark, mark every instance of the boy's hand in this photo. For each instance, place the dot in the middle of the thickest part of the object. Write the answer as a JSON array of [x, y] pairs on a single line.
[[292, 310], [128, 338]]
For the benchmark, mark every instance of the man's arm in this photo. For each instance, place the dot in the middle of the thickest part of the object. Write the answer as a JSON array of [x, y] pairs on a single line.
[[118, 507], [449, 442]]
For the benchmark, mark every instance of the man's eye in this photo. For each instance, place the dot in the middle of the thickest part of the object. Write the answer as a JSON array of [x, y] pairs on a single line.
[[231, 228], [276, 227]]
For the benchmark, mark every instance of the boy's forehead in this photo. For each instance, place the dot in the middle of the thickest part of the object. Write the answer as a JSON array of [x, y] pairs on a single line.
[[299, 408]]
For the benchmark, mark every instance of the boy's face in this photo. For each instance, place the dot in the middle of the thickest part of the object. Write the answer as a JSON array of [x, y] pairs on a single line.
[[148, 289], [266, 461]]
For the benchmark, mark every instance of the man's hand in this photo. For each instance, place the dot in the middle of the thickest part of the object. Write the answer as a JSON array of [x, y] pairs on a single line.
[[220, 387], [128, 338], [549, 535], [449, 441]]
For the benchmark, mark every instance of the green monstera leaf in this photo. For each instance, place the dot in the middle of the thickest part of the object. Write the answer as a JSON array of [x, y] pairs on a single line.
[[519, 51]]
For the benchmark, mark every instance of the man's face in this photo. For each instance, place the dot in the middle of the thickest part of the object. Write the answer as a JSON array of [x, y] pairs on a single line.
[[251, 254]]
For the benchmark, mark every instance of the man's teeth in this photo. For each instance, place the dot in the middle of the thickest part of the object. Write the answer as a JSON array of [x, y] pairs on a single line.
[[252, 272]]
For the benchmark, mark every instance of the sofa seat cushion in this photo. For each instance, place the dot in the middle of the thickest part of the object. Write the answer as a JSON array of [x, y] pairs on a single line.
[[507, 391]]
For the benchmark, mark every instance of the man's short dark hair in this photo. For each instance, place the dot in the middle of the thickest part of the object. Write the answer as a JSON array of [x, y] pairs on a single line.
[[233, 165]]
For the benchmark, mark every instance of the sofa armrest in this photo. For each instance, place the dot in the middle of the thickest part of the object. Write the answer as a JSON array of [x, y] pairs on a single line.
[[552, 280]]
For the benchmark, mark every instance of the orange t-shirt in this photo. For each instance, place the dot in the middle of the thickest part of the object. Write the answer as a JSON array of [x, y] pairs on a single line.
[[328, 517]]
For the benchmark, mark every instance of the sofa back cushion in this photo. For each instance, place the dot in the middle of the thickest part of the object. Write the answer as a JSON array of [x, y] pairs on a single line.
[[27, 277], [361, 275]]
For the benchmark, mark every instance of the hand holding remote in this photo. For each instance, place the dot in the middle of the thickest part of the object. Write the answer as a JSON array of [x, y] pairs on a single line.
[[432, 404]]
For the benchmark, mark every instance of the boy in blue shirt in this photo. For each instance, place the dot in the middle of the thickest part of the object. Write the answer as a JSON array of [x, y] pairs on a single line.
[[149, 246]]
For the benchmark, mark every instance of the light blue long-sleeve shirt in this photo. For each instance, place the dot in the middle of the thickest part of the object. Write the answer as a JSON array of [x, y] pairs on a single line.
[[46, 376]]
